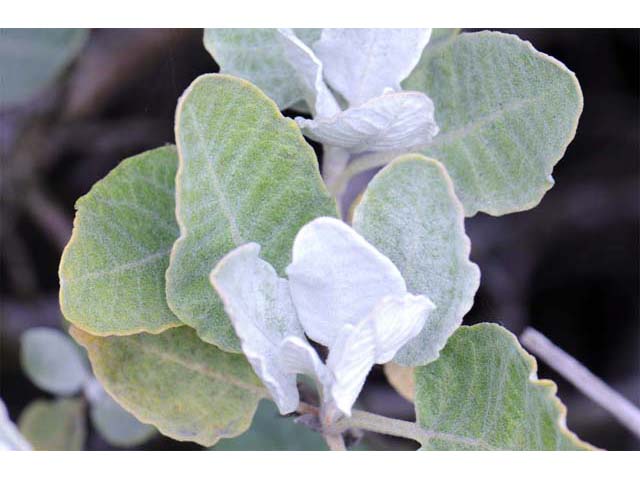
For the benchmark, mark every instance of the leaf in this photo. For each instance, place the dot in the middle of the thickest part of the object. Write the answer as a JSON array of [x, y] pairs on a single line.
[[391, 122], [401, 379], [31, 58], [362, 63], [116, 425], [308, 70], [270, 431], [483, 394], [410, 213], [257, 55], [10, 436], [54, 425], [259, 305], [245, 174], [112, 270], [336, 278], [187, 389], [506, 112], [375, 339], [52, 361]]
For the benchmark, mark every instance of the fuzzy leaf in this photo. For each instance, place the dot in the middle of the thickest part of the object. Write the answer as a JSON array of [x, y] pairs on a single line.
[[257, 55], [336, 278], [410, 214], [52, 361], [186, 388], [375, 339], [31, 58], [54, 425], [362, 63], [116, 425], [270, 431], [112, 270], [245, 174], [10, 436], [506, 112], [483, 394], [391, 122], [259, 305], [308, 70]]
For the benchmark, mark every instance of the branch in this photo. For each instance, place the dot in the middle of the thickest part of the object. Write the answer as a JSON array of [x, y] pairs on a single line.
[[585, 381]]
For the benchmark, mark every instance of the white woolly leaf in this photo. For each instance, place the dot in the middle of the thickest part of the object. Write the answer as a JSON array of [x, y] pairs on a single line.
[[391, 122], [10, 436], [336, 278], [260, 308], [362, 63]]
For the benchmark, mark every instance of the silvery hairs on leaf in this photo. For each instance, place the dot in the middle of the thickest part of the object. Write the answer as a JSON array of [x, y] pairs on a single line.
[[362, 63], [52, 361], [357, 305], [10, 436], [308, 69], [390, 122], [260, 307]]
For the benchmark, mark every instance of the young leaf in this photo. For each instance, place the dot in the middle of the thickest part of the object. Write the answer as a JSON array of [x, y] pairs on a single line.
[[112, 270], [410, 213], [362, 63], [116, 425], [391, 122], [375, 339], [337, 278], [259, 305], [483, 394], [10, 436], [186, 388], [245, 174], [309, 73], [270, 431], [54, 425], [31, 58], [52, 361], [506, 112]]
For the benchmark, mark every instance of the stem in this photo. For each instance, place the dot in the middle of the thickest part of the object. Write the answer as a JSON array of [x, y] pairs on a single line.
[[585, 381], [384, 425], [335, 442]]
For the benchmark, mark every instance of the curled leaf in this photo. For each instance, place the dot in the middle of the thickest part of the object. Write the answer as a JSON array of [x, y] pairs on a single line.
[[259, 305], [391, 122], [337, 278]]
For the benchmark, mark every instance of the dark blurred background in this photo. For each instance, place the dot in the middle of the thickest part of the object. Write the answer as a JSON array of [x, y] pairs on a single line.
[[570, 267]]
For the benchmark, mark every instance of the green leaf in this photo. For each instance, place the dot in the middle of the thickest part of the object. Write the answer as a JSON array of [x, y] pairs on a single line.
[[186, 388], [52, 361], [483, 394], [116, 425], [506, 114], [245, 175], [112, 270], [271, 431], [31, 58], [54, 425], [257, 55], [410, 213]]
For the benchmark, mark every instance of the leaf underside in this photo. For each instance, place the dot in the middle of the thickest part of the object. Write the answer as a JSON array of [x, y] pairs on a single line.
[[245, 174], [483, 394], [506, 114], [188, 389], [113, 268]]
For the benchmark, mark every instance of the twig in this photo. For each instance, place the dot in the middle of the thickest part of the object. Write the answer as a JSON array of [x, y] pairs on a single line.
[[585, 381], [335, 442]]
